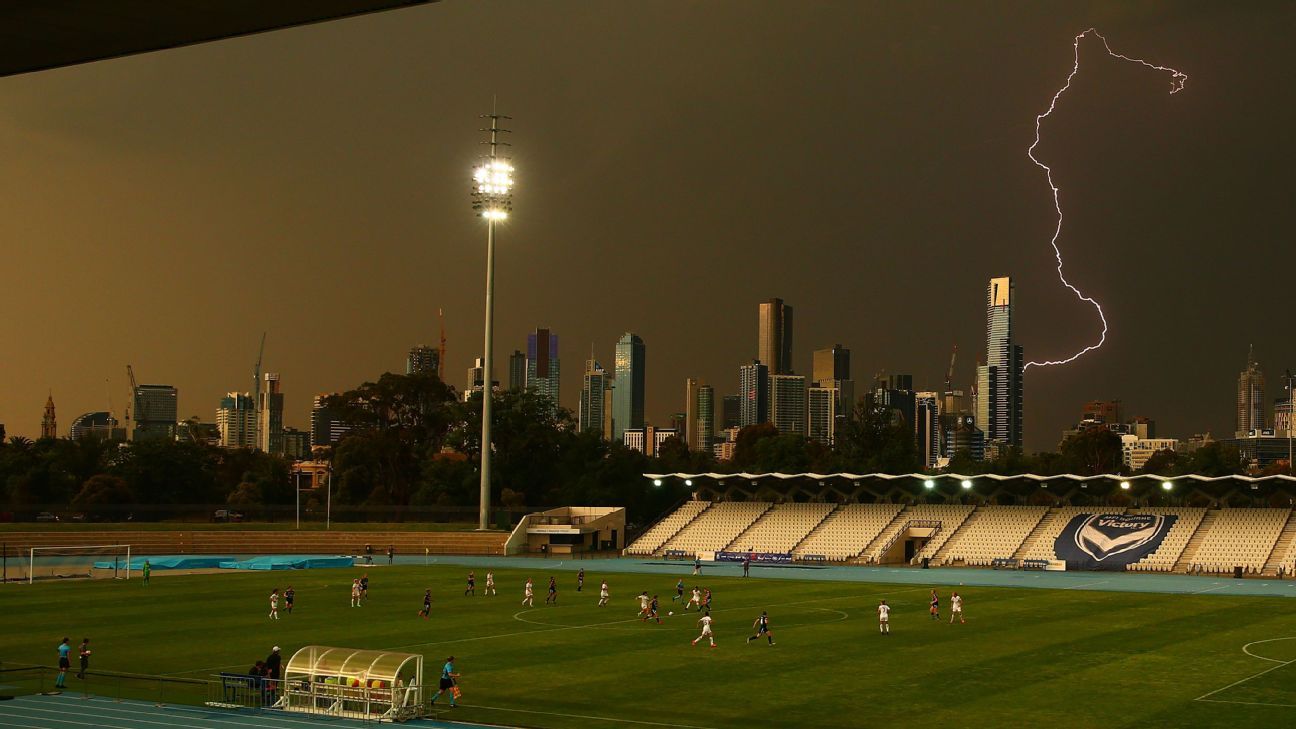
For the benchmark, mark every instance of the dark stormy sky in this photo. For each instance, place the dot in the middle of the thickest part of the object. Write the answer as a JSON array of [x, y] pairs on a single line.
[[677, 163]]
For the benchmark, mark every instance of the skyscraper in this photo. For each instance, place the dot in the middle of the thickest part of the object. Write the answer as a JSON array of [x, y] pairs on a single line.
[[788, 404], [774, 338], [730, 412], [543, 370], [96, 426], [270, 416], [1251, 403], [831, 370], [49, 424], [327, 425], [927, 427], [155, 409], [236, 420], [423, 360], [822, 419], [999, 380], [753, 393], [517, 371], [831, 364], [628, 394], [593, 404], [705, 417]]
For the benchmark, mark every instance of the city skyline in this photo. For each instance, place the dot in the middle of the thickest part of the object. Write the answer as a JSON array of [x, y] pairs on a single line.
[[124, 164]]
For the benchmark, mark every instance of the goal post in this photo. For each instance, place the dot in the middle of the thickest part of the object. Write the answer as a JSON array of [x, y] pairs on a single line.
[[80, 560]]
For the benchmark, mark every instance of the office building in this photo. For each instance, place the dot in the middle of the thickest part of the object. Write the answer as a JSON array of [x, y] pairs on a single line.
[[831, 364], [705, 422], [543, 366], [517, 370], [628, 393], [1251, 403], [999, 380], [236, 419], [155, 412], [753, 391], [1136, 451], [788, 404], [49, 422], [774, 338], [1106, 411], [1260, 449], [270, 407], [822, 403], [927, 427], [327, 425], [423, 360], [592, 413], [96, 426], [476, 375], [965, 436], [296, 444], [647, 439], [730, 412], [895, 393]]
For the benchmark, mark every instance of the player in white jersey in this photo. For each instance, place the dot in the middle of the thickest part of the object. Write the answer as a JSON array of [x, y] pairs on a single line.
[[355, 593], [956, 608], [603, 594], [695, 600], [490, 583], [530, 593], [884, 618], [643, 603], [274, 604], [705, 622]]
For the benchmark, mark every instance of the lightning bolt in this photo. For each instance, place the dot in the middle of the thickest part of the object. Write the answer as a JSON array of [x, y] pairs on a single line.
[[1177, 79]]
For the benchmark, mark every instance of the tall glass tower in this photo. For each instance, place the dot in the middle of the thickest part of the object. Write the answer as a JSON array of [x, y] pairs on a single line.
[[628, 395], [999, 380]]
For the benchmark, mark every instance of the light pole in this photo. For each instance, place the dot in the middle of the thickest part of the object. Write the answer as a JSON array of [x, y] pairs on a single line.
[[1291, 419], [492, 199]]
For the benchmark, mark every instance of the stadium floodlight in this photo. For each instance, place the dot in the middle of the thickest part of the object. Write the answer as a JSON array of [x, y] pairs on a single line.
[[492, 198], [929, 484], [967, 484], [688, 482], [1125, 485], [1167, 485], [656, 482]]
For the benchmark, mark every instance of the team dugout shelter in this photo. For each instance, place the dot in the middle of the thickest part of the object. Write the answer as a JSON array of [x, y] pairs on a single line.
[[352, 683]]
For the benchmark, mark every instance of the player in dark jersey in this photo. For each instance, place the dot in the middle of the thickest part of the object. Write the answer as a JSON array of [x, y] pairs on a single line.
[[289, 595], [472, 585], [364, 587], [652, 611], [706, 598], [679, 590], [935, 606], [553, 592], [427, 604], [580, 579], [762, 627]]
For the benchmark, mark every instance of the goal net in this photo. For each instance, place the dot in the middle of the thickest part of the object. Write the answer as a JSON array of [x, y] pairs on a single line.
[[99, 561]]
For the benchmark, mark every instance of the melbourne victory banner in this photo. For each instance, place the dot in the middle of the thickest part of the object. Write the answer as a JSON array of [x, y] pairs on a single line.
[[1110, 541]]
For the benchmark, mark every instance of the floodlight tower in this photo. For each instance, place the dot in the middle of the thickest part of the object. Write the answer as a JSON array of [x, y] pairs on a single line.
[[492, 195]]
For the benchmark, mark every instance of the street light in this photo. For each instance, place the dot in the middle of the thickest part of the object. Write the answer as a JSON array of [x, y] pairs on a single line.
[[492, 195]]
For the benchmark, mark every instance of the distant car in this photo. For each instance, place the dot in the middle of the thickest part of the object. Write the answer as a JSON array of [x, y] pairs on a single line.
[[46, 516], [78, 517], [226, 515]]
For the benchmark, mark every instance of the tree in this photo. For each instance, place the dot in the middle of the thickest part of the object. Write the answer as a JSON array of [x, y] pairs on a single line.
[[103, 497], [1163, 463], [745, 445], [1092, 452]]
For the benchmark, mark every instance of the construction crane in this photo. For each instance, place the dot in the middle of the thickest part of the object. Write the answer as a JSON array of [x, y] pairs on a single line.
[[441, 349], [949, 375], [130, 402], [256, 392]]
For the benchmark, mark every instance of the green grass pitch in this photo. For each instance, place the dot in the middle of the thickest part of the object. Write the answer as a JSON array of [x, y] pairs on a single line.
[[1026, 657]]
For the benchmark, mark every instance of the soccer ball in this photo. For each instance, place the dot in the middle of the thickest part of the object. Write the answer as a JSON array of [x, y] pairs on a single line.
[[672, 612]]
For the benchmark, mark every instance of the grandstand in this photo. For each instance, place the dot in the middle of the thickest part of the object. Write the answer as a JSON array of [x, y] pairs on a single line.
[[717, 526], [781, 528], [846, 532], [989, 533]]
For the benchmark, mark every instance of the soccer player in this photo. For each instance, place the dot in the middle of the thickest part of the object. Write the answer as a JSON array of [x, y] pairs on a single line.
[[530, 593], [956, 608], [64, 663], [603, 594], [706, 598], [652, 611], [762, 628], [490, 583], [364, 587], [705, 622], [427, 604], [274, 604], [448, 677], [934, 609], [148, 568], [695, 600], [553, 592], [472, 585], [679, 590], [747, 566], [289, 596], [643, 604], [580, 579], [355, 593], [697, 566], [884, 618], [84, 652]]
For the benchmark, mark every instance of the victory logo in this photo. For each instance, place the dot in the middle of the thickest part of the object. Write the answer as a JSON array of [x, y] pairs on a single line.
[[1111, 541]]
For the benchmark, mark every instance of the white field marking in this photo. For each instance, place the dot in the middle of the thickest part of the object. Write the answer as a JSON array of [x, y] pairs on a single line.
[[844, 616], [126, 722], [1277, 664], [1247, 703], [583, 716], [1211, 589], [1086, 584], [208, 714]]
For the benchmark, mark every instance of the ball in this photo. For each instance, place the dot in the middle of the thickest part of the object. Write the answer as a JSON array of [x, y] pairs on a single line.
[[672, 612]]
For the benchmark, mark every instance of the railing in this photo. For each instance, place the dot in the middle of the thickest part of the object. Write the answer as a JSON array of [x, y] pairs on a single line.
[[911, 524], [160, 690]]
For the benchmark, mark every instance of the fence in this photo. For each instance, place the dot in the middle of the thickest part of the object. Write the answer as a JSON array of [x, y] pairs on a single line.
[[26, 679], [54, 514]]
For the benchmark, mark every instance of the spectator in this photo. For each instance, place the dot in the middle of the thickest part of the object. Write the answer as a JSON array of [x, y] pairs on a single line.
[[84, 652], [272, 664], [391, 554]]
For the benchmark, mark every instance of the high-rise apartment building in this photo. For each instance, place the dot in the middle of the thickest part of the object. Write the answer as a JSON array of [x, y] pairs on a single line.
[[543, 367], [774, 338], [822, 403], [705, 422], [1251, 405], [236, 420], [647, 439], [593, 411], [423, 360], [327, 425], [296, 444], [155, 413], [628, 394], [999, 380], [49, 422], [927, 427], [788, 404], [730, 412], [753, 393], [270, 407], [517, 371]]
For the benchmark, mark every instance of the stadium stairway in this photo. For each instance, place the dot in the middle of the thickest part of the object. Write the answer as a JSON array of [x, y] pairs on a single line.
[[657, 535], [1284, 549], [1047, 528], [902, 517], [781, 528], [1194, 542]]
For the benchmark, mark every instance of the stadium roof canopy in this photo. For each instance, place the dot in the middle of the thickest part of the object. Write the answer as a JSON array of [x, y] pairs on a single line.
[[961, 477], [36, 35]]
